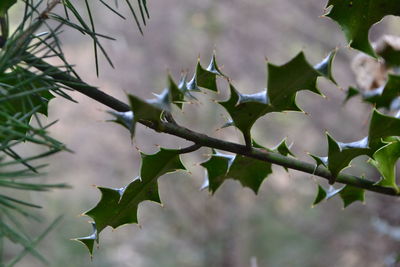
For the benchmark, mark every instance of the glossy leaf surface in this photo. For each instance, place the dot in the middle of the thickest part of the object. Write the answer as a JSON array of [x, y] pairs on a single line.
[[356, 17], [119, 206]]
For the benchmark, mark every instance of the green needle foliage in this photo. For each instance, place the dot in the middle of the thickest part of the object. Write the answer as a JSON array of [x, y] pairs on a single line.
[[25, 92], [28, 83]]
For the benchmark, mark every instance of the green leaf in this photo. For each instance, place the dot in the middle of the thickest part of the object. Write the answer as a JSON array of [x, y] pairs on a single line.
[[283, 84], [356, 17], [205, 78], [245, 110], [350, 194], [285, 81], [384, 97], [217, 167], [5, 5], [350, 93], [320, 196], [325, 66], [192, 86], [126, 119], [384, 159], [249, 172], [332, 191], [323, 194], [320, 160], [388, 49], [382, 126], [88, 241], [341, 154], [283, 149], [149, 110], [183, 86], [177, 96], [119, 206]]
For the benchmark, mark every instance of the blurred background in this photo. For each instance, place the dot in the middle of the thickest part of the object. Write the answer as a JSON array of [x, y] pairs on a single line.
[[234, 227]]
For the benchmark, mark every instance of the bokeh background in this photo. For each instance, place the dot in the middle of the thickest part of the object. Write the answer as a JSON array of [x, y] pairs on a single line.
[[234, 227]]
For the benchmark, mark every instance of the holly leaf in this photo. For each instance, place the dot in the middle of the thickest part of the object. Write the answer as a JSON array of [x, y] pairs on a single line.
[[350, 93], [192, 86], [177, 96], [389, 49], [183, 86], [340, 154], [321, 195], [382, 126], [356, 17], [217, 166], [320, 160], [207, 78], [213, 67], [384, 97], [325, 66], [125, 119], [88, 241], [249, 172], [119, 206], [384, 159], [149, 110], [5, 5], [285, 81], [283, 149], [283, 84], [326, 194], [350, 194], [245, 109], [332, 191]]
